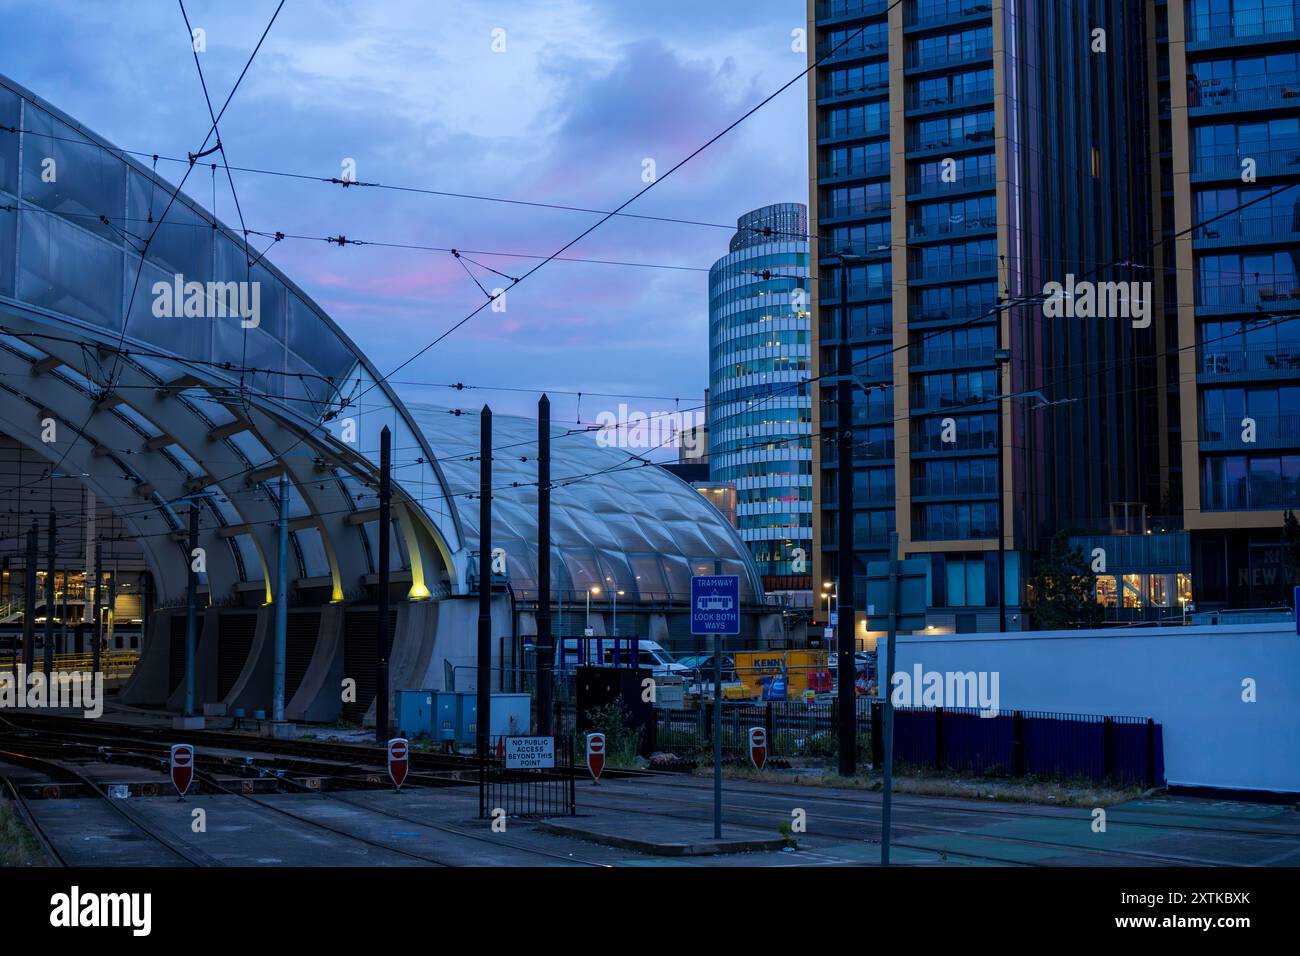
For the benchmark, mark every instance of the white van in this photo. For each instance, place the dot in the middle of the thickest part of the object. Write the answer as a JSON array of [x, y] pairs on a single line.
[[617, 651]]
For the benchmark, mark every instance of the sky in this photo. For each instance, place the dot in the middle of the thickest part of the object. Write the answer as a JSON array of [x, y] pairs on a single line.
[[552, 101]]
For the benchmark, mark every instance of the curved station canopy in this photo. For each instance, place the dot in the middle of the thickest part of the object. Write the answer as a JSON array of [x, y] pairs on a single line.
[[145, 351]]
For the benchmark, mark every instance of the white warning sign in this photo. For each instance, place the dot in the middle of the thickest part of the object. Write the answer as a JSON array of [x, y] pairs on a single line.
[[530, 753]]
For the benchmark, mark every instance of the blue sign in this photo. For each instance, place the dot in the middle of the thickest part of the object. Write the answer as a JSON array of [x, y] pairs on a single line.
[[1297, 609], [715, 604]]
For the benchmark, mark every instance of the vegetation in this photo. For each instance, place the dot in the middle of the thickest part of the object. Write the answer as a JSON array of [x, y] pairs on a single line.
[[1291, 547], [1063, 591], [621, 739], [17, 845]]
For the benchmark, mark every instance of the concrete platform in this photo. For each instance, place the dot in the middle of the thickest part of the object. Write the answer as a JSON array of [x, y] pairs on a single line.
[[660, 837]]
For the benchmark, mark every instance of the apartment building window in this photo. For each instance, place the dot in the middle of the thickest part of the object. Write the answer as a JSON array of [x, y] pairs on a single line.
[[966, 582], [1250, 483]]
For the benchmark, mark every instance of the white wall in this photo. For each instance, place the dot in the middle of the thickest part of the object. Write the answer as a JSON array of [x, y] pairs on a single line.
[[1189, 679]]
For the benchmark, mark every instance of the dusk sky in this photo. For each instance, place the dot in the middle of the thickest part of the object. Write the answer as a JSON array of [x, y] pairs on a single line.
[[584, 92]]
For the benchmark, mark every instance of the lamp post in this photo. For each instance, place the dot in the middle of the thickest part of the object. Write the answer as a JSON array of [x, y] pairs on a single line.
[[600, 644]]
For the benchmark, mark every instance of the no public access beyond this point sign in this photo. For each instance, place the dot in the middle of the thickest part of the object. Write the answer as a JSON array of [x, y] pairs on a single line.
[[530, 753], [715, 604]]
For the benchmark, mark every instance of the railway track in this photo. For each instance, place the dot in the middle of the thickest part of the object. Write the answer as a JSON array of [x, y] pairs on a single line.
[[87, 745], [57, 771]]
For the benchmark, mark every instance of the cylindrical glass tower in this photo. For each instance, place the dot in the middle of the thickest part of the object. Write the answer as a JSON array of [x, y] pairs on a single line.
[[760, 409]]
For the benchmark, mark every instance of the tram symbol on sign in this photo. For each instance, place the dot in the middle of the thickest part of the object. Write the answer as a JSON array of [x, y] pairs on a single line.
[[757, 747], [399, 760], [182, 767], [714, 602], [595, 754]]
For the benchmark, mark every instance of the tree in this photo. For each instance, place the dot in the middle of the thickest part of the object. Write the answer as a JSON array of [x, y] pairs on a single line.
[[1291, 546], [1063, 591]]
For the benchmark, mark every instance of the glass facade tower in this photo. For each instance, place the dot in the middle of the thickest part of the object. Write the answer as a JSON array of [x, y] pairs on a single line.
[[760, 410], [1003, 196]]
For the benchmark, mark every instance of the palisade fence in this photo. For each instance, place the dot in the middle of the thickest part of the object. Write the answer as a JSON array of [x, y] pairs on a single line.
[[1128, 751]]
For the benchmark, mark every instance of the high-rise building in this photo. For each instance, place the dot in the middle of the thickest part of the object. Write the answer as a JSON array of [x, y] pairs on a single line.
[[1002, 201], [759, 435], [1229, 127]]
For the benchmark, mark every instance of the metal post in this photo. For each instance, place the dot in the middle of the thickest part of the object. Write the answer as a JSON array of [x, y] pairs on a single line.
[[63, 629], [717, 726], [1001, 356], [381, 601], [94, 608], [29, 601], [484, 677], [281, 602], [545, 640], [846, 601], [887, 796], [191, 610], [48, 657]]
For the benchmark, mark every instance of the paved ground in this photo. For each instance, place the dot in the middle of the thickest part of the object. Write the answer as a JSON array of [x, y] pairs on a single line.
[[842, 827]]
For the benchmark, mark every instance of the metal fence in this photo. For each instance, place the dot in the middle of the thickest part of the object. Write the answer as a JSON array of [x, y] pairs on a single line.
[[1101, 749], [543, 792], [794, 728]]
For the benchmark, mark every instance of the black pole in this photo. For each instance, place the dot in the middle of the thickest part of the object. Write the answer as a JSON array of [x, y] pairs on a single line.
[[845, 596], [545, 640], [1003, 389], [29, 601], [484, 673], [94, 606], [191, 611], [381, 622], [48, 665]]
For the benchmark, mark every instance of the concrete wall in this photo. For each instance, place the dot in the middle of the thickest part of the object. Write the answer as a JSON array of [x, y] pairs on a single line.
[[1187, 678]]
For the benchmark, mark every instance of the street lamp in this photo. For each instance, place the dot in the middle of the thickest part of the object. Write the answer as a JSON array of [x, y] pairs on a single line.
[[586, 631]]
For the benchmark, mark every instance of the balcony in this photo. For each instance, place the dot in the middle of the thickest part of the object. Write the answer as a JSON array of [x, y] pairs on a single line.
[[1203, 33], [945, 13], [972, 139], [828, 172], [953, 530], [972, 442], [936, 487], [924, 401], [829, 248], [856, 292], [853, 209], [1271, 431], [834, 133], [1248, 230], [833, 10], [830, 331], [928, 231], [1260, 295], [1212, 97], [925, 358], [1277, 159], [972, 267], [919, 189], [980, 96], [1222, 364], [858, 46], [826, 93], [967, 54], [921, 318]]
